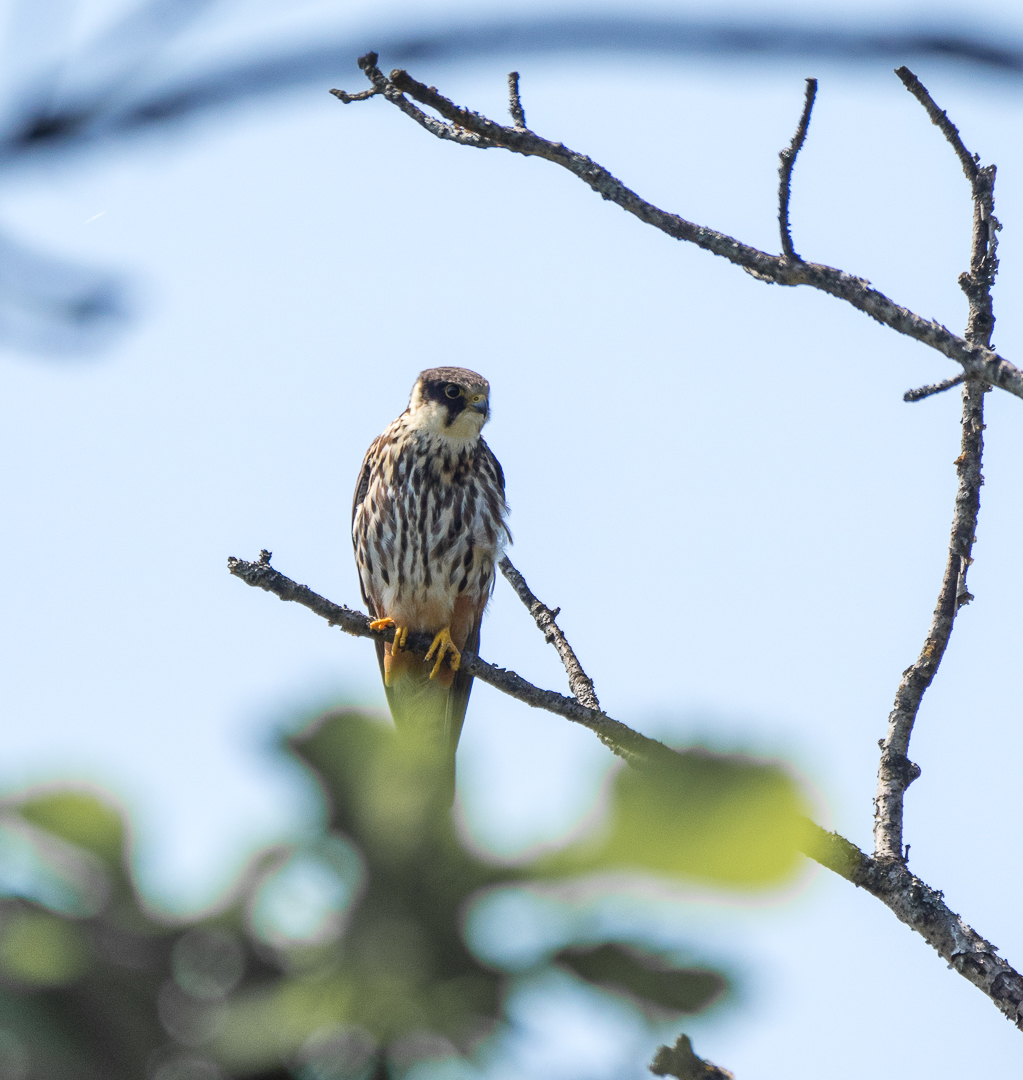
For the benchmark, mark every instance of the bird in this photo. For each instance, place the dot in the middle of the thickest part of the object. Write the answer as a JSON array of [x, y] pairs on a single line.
[[428, 527]]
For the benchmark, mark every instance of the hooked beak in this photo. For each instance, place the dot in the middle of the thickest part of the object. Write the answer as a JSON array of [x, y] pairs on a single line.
[[480, 406]]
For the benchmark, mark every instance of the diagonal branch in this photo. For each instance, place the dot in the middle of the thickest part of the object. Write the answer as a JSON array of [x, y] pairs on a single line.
[[978, 281], [472, 129], [634, 748], [788, 160], [579, 682], [924, 910], [895, 771], [913, 902]]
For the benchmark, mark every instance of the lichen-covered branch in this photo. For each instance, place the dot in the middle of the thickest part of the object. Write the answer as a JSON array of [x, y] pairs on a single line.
[[896, 772], [470, 128], [925, 911], [579, 682]]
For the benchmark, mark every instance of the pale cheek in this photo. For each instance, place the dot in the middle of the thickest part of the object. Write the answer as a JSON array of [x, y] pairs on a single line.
[[466, 425], [429, 417]]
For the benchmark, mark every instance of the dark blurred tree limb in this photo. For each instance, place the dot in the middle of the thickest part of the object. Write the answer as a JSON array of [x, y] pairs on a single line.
[[682, 1062], [913, 902], [131, 84], [470, 128]]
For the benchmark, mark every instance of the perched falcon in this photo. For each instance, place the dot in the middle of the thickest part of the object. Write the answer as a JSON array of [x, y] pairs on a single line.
[[428, 525]]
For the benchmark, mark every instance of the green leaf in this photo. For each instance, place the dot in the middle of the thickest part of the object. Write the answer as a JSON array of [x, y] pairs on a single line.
[[41, 950], [646, 979], [80, 818], [725, 820]]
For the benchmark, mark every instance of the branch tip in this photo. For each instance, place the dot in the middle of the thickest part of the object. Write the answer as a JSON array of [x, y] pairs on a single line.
[[515, 101], [933, 388], [363, 95], [940, 120]]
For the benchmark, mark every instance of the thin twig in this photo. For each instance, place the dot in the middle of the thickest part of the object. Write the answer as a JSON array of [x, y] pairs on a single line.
[[579, 682], [934, 388], [940, 119], [515, 102], [915, 903], [472, 129], [788, 160], [980, 278], [363, 95], [896, 772]]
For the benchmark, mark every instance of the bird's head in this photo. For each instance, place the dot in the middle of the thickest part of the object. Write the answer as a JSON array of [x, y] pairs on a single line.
[[450, 401]]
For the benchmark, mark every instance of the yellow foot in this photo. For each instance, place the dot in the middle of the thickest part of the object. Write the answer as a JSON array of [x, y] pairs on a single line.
[[400, 633], [444, 646]]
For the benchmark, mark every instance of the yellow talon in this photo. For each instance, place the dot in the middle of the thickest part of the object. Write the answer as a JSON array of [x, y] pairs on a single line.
[[444, 646], [400, 632]]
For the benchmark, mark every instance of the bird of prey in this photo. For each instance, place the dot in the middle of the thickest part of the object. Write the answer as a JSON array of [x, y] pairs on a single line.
[[428, 525]]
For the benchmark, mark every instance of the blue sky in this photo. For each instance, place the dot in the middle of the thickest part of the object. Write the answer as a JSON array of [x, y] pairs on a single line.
[[716, 480]]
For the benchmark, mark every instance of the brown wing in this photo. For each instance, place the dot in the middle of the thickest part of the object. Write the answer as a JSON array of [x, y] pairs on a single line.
[[461, 686], [361, 491]]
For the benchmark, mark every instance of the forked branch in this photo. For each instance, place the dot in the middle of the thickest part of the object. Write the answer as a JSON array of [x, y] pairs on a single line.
[[915, 903], [896, 772], [885, 876], [470, 128]]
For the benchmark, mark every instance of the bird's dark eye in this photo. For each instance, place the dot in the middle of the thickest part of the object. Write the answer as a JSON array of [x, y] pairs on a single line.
[[453, 391]]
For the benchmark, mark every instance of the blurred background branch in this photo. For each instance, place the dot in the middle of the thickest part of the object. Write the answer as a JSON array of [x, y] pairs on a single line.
[[136, 73]]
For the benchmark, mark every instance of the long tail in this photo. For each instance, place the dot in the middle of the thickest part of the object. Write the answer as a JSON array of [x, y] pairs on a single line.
[[430, 711]]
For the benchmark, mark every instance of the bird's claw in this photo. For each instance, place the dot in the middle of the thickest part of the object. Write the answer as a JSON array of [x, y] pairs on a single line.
[[444, 646], [400, 632]]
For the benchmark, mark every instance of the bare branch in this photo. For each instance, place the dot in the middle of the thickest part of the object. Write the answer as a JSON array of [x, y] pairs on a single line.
[[933, 388], [924, 910], [788, 160], [940, 119], [579, 682], [915, 903], [628, 744], [381, 85], [896, 772], [363, 95], [472, 129], [980, 278], [515, 102]]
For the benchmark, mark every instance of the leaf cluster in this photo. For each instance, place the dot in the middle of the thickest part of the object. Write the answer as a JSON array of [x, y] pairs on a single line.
[[95, 986]]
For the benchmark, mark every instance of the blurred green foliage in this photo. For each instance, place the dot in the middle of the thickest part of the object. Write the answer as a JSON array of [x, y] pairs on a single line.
[[93, 986]]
